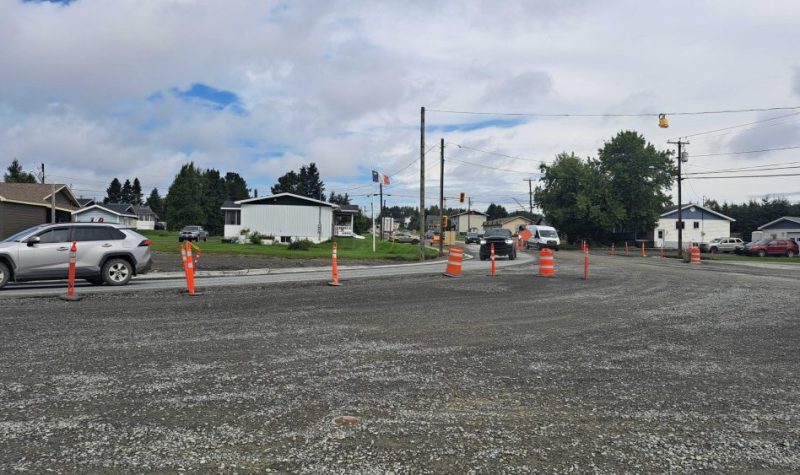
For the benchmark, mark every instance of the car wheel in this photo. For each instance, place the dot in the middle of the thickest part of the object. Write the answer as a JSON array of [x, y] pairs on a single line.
[[512, 256], [117, 272], [205, 239], [789, 253], [180, 239], [713, 250], [415, 241], [5, 274], [762, 253]]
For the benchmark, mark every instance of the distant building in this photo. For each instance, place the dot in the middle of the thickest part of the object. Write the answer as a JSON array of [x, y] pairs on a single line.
[[466, 220], [786, 227], [700, 225], [512, 223], [115, 213], [23, 205]]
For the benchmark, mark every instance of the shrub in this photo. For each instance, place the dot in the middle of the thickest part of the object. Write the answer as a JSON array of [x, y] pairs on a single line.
[[256, 237], [301, 245]]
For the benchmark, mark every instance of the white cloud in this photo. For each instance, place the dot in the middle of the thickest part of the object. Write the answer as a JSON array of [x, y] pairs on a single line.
[[340, 83]]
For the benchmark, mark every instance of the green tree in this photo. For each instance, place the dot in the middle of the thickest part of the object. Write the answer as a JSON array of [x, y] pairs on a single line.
[[306, 183], [216, 192], [17, 175], [496, 212], [156, 203], [236, 187], [126, 196], [113, 192], [339, 199], [638, 176], [136, 192], [185, 197]]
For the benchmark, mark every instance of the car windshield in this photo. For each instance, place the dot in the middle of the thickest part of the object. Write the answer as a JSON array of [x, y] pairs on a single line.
[[548, 233], [762, 242], [21, 234], [497, 232], [191, 228]]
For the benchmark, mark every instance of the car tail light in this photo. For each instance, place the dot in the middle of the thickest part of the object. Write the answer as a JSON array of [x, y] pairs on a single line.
[[145, 243]]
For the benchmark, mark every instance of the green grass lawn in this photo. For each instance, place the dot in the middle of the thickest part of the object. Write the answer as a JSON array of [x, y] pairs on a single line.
[[348, 248]]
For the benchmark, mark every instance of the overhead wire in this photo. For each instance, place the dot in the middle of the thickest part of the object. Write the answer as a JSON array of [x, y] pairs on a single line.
[[639, 114], [793, 147], [738, 126]]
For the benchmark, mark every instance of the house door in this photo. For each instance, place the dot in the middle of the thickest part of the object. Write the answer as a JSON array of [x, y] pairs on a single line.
[[659, 238]]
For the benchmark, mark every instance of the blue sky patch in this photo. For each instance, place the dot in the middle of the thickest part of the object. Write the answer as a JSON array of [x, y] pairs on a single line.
[[208, 96], [62, 2], [484, 124]]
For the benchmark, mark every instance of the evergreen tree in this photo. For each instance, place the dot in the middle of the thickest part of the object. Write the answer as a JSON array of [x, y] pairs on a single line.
[[126, 195], [236, 187], [185, 197], [17, 175], [306, 183], [113, 192], [496, 212], [339, 199], [214, 195], [136, 192], [156, 203]]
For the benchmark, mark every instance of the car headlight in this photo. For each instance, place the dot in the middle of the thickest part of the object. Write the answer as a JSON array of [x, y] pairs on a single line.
[[483, 241], [509, 241]]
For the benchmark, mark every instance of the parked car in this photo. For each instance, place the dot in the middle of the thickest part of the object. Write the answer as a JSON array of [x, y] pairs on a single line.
[[193, 233], [406, 237], [773, 247], [721, 245], [472, 238], [504, 244], [106, 253]]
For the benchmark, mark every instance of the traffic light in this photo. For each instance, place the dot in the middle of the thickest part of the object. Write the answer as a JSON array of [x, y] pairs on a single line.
[[444, 222], [462, 197]]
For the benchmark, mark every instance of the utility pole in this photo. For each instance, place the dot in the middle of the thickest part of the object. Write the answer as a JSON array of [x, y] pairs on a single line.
[[530, 193], [380, 213], [441, 197], [42, 173], [469, 212], [680, 204], [422, 184]]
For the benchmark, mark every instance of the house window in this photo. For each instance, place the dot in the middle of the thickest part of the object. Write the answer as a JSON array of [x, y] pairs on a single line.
[[660, 234], [697, 224], [233, 217], [286, 239]]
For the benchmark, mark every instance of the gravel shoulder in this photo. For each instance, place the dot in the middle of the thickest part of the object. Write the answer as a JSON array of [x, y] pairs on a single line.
[[647, 367]]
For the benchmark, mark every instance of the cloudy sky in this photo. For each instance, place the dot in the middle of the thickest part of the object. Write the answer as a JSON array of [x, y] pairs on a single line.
[[97, 89]]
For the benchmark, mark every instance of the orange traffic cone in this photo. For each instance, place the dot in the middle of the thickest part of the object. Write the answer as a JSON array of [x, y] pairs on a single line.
[[454, 260], [189, 269], [547, 264], [334, 268], [695, 255], [494, 272], [643, 253]]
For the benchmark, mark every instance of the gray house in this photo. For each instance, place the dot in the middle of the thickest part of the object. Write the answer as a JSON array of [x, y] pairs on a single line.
[[115, 213]]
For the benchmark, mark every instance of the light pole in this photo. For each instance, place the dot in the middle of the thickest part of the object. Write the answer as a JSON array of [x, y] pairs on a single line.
[[683, 156]]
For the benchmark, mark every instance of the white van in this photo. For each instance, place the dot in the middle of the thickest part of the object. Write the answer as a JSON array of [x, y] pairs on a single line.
[[542, 236]]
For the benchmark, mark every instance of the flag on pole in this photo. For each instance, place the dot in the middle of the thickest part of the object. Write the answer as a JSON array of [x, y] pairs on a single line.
[[384, 179], [375, 176]]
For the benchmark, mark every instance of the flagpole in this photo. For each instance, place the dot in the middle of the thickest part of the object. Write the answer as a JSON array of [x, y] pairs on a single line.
[[372, 209]]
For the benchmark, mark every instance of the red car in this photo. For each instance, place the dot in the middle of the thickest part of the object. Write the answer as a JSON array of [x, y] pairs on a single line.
[[773, 247]]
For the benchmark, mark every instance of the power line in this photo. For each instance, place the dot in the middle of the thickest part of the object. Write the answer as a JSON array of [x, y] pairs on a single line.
[[641, 114], [743, 170], [744, 176], [750, 168], [741, 125], [494, 153], [493, 168], [793, 147]]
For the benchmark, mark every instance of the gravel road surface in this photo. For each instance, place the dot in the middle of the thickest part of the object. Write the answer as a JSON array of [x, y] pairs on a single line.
[[650, 366]]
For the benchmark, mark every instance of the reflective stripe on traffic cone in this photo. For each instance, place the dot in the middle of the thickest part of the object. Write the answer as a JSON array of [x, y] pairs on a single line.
[[454, 260], [334, 268], [695, 255]]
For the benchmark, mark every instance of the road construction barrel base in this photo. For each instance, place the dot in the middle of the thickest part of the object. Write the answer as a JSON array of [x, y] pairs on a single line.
[[195, 294], [450, 275], [334, 284], [67, 298]]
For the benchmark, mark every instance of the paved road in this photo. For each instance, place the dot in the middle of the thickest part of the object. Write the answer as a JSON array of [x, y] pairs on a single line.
[[650, 366]]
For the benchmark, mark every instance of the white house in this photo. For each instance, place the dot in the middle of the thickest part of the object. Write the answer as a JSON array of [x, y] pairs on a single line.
[[786, 227], [700, 224], [145, 217], [116, 213], [288, 217], [465, 221]]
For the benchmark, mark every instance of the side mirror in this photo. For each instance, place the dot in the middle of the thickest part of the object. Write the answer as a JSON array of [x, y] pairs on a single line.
[[32, 240]]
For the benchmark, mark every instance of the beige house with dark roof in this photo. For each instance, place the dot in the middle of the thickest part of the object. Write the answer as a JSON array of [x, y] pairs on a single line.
[[23, 205]]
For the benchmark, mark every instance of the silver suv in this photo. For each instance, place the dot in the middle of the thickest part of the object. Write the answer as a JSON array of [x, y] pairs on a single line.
[[721, 245], [106, 253]]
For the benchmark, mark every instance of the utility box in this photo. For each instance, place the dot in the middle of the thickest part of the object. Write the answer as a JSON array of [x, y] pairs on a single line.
[[449, 238]]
